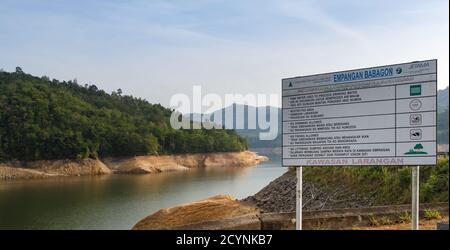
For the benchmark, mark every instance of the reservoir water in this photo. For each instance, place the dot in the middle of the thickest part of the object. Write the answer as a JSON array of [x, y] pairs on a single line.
[[119, 201]]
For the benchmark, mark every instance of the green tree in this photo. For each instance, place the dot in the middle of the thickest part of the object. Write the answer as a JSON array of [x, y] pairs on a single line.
[[43, 119]]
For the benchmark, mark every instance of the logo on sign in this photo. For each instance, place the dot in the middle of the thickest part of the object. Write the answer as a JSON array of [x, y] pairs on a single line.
[[415, 119], [415, 104], [415, 90], [420, 65], [398, 70], [417, 150], [415, 134]]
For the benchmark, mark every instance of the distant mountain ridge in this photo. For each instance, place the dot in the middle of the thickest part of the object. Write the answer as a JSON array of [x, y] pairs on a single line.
[[243, 123]]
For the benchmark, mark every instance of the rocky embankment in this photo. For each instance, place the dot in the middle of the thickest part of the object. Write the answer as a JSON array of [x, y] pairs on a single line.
[[133, 165], [192, 215], [157, 164], [45, 169], [277, 197], [280, 196]]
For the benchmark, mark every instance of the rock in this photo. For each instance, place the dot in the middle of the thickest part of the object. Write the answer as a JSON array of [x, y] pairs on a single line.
[[280, 196], [133, 165], [191, 215], [12, 173], [71, 167], [44, 169], [442, 226], [165, 163], [233, 159], [145, 164]]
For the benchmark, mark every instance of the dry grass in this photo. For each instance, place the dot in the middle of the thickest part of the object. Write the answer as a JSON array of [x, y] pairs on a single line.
[[423, 225]]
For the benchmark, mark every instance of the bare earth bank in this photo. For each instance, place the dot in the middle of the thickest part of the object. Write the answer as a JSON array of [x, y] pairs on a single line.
[[189, 215], [134, 165]]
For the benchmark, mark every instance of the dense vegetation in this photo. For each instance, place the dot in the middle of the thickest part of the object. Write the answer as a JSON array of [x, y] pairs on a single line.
[[48, 119], [386, 185]]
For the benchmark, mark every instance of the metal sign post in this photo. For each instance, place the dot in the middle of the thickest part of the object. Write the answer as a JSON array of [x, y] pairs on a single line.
[[299, 198], [415, 198]]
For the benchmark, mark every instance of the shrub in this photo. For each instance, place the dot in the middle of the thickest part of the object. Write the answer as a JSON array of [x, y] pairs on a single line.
[[432, 214]]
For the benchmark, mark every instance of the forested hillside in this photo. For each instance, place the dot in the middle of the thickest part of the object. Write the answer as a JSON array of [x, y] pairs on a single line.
[[48, 119]]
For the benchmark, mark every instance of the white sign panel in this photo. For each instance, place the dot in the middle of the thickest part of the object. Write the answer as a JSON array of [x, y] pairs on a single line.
[[376, 116]]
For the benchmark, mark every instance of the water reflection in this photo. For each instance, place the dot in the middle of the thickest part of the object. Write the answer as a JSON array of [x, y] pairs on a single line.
[[119, 201]]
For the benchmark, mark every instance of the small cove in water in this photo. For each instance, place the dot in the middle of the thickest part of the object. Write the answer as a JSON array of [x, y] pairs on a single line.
[[120, 201]]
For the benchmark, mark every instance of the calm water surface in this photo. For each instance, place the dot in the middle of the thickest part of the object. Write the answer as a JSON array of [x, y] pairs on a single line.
[[119, 201]]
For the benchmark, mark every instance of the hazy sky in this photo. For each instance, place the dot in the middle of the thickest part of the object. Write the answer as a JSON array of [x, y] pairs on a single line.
[[154, 49]]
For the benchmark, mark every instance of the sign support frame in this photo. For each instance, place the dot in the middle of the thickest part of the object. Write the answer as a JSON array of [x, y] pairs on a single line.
[[415, 197], [299, 103], [299, 198]]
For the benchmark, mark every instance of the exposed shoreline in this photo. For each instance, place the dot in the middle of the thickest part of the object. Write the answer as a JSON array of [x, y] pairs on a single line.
[[14, 170], [274, 207]]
